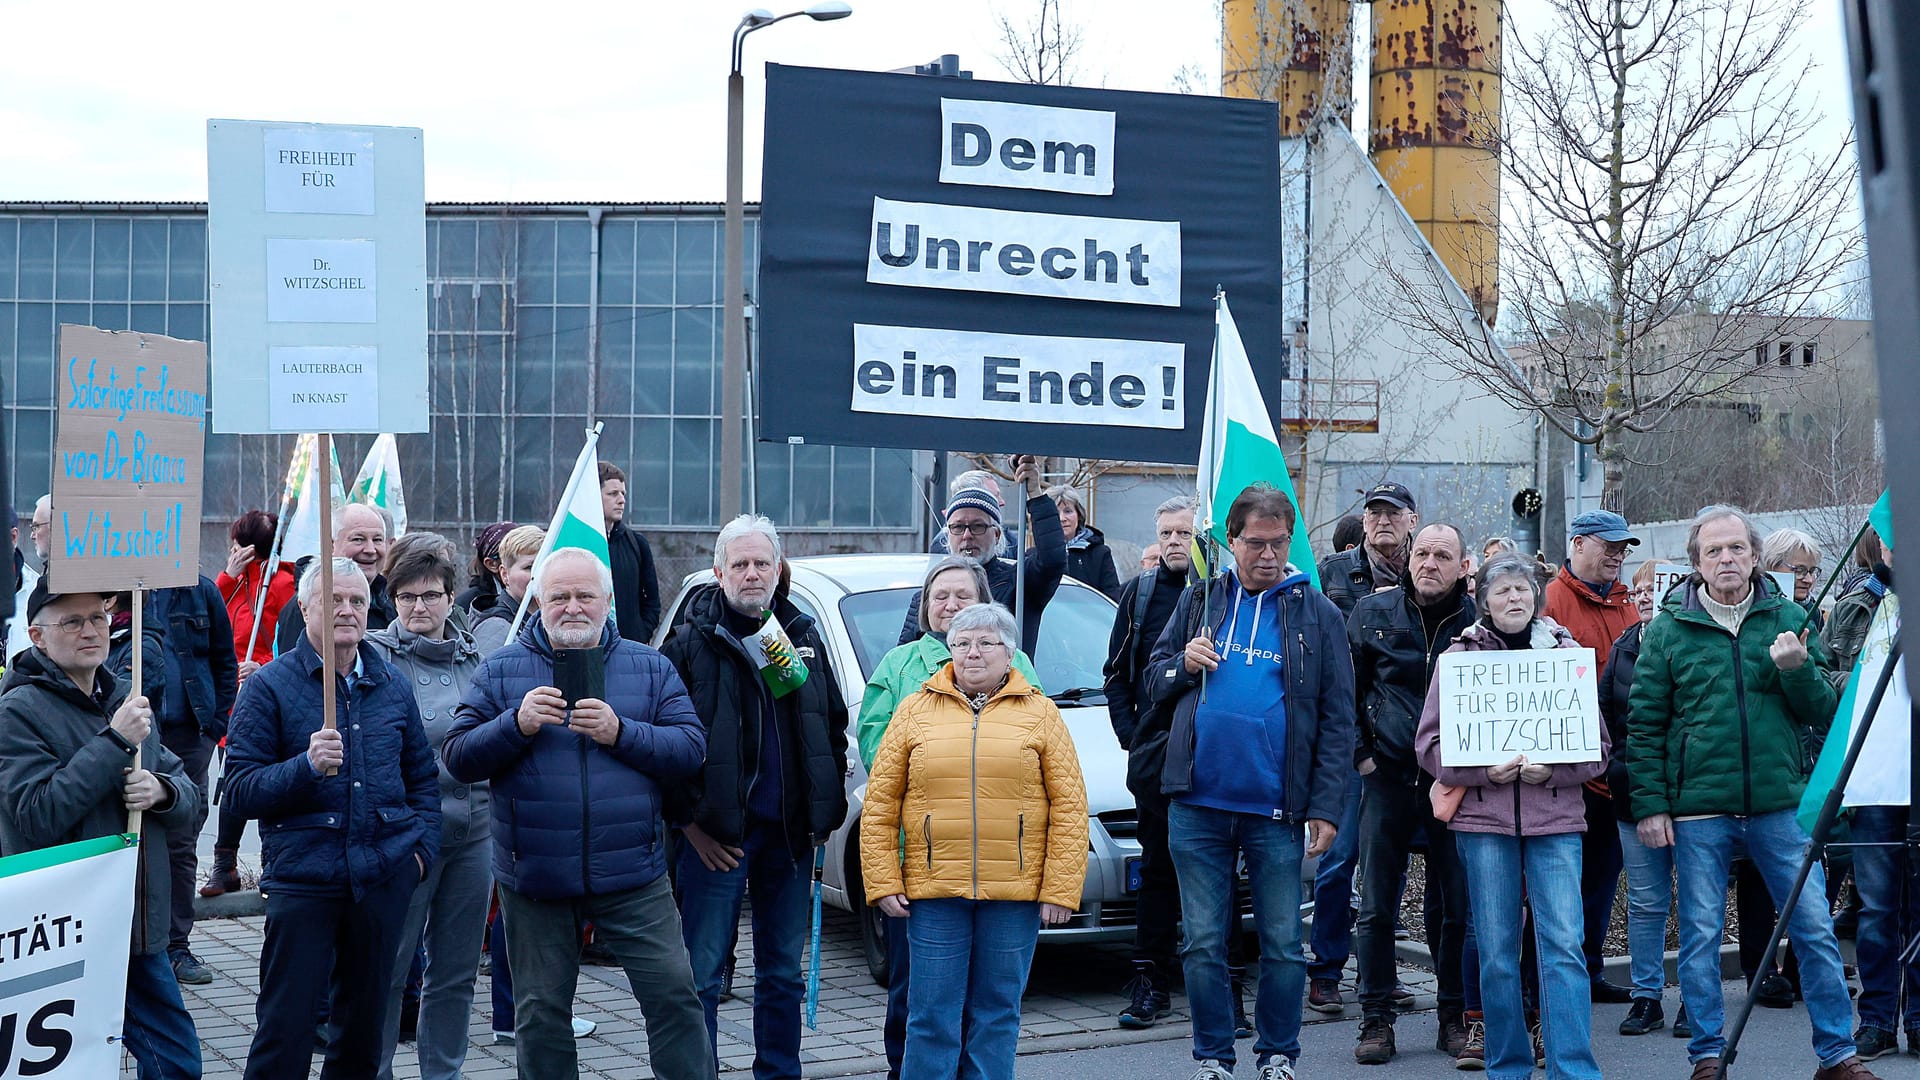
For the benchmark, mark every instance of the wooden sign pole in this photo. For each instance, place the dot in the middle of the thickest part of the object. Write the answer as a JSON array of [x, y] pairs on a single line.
[[139, 632], [323, 489]]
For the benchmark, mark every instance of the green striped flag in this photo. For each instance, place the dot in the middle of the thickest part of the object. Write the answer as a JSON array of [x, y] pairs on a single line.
[[779, 664], [1237, 444], [578, 522]]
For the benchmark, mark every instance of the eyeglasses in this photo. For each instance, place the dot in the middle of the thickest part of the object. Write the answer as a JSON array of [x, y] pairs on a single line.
[[1803, 571], [1613, 547], [408, 599], [38, 525], [978, 528], [971, 647], [73, 624], [1277, 546]]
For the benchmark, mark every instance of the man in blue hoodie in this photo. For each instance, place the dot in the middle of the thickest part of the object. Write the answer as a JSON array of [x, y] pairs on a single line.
[[1254, 666]]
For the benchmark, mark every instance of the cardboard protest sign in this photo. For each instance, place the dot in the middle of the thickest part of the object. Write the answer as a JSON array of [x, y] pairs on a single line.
[[949, 264], [129, 442], [64, 941], [1498, 705]]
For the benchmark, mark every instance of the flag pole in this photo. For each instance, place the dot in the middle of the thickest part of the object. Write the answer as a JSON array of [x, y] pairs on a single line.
[[553, 529], [1020, 556], [1822, 827], [1209, 547], [1839, 568], [279, 539]]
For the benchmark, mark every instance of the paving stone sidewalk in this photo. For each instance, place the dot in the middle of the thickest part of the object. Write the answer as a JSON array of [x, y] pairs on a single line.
[[1072, 999]]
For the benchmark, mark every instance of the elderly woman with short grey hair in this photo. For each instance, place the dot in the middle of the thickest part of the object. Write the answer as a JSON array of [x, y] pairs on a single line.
[[974, 832], [1517, 827], [437, 659], [1790, 551]]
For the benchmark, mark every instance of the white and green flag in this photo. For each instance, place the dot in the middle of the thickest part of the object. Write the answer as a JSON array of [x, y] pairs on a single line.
[[578, 521], [303, 529], [66, 923], [780, 665], [379, 483], [1882, 774], [1238, 446]]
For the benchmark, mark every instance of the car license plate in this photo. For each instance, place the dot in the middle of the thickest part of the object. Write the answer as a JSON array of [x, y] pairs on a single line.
[[1133, 874]]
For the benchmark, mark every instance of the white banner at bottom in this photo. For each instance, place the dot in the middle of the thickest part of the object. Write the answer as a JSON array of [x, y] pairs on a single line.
[[66, 923], [1018, 378]]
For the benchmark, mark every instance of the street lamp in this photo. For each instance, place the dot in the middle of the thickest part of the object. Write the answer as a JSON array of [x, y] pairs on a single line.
[[733, 376]]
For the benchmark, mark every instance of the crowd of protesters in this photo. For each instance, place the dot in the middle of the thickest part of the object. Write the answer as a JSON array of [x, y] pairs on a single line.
[[474, 792]]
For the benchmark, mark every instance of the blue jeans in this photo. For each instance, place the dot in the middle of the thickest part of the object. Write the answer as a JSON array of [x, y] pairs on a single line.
[[1333, 893], [1888, 877], [1703, 851], [1501, 871], [777, 883], [1207, 844], [157, 1029], [1649, 899], [969, 969], [450, 907]]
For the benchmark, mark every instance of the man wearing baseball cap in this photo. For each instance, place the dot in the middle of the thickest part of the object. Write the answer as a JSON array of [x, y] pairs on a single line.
[[1388, 521], [1589, 599]]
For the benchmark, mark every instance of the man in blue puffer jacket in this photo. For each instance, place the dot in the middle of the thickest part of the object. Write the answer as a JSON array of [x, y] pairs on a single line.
[[349, 824], [578, 832]]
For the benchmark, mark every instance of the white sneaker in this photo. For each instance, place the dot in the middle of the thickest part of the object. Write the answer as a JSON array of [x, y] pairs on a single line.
[[583, 1028], [502, 1036], [1277, 1068], [1213, 1070]]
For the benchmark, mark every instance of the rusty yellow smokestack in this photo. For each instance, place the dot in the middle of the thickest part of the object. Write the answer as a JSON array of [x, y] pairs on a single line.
[[1298, 53], [1436, 127]]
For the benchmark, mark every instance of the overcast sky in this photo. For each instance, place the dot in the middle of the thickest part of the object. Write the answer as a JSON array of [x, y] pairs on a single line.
[[565, 100]]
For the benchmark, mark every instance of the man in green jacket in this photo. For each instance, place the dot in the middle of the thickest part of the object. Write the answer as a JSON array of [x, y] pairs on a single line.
[[1725, 684]]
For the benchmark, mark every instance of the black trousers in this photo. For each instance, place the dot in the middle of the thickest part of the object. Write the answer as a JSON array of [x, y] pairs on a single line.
[[195, 751], [1156, 930], [1391, 813], [332, 950]]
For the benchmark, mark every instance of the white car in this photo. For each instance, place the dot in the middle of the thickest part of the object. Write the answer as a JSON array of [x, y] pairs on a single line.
[[859, 603]]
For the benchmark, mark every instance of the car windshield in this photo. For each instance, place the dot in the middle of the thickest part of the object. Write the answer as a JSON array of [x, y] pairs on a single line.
[[1073, 635]]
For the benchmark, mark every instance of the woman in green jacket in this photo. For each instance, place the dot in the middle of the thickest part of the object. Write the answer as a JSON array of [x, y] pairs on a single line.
[[954, 584]]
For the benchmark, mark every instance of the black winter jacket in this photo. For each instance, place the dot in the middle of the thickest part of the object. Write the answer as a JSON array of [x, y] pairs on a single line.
[[1129, 651], [1347, 576], [1393, 662], [636, 585], [1319, 696], [1616, 684], [1046, 562], [202, 672], [1090, 560], [60, 781], [729, 694]]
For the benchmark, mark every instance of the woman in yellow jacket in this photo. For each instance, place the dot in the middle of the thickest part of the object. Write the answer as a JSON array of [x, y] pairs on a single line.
[[975, 831]]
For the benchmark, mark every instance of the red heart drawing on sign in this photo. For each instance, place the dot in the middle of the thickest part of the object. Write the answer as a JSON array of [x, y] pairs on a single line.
[[1580, 672]]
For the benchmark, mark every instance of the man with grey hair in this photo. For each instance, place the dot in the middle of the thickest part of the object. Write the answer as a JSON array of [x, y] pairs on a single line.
[[1725, 686], [361, 534], [349, 825], [578, 817], [773, 787]]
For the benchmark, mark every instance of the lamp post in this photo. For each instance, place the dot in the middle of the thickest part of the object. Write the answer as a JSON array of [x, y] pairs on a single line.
[[733, 374]]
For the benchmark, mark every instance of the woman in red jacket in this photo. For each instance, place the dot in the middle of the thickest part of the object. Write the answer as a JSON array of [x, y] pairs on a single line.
[[252, 546]]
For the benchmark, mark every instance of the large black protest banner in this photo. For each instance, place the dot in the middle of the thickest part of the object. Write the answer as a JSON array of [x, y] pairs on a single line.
[[954, 264]]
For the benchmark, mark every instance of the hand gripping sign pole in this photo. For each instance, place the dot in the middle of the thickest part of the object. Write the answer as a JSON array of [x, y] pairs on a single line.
[[324, 485], [139, 631], [1823, 826]]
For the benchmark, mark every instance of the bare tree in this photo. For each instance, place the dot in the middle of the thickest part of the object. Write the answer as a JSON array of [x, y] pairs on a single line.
[[1673, 208], [1042, 49]]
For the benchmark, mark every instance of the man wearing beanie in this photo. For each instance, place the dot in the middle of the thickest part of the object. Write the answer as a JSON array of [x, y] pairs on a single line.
[[974, 530]]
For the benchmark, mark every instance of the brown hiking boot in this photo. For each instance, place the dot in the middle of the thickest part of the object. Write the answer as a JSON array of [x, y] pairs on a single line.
[[1452, 1037], [224, 876], [1851, 1069], [1706, 1069], [1376, 1041]]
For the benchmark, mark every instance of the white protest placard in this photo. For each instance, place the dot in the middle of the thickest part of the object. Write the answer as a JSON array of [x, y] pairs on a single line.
[[128, 445], [1497, 705], [969, 375], [316, 239], [1035, 147], [1062, 256], [66, 920]]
